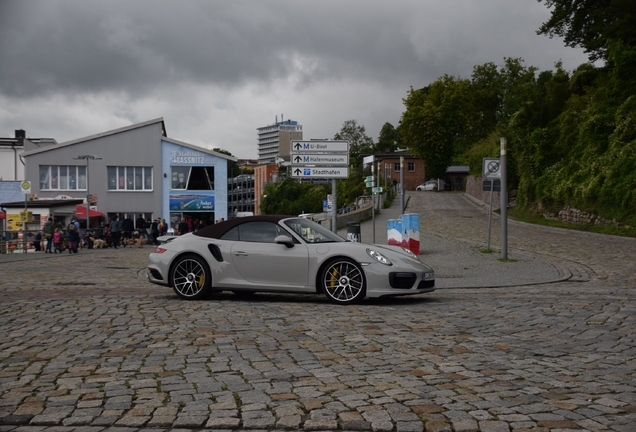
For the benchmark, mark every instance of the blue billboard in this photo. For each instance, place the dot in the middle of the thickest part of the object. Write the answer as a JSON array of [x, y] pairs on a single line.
[[197, 202]]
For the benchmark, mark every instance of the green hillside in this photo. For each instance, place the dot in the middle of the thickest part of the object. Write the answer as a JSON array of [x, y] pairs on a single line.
[[571, 134]]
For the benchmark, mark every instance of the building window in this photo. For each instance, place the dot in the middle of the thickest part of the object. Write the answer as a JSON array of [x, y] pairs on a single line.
[[396, 167], [192, 178], [180, 177], [411, 166], [62, 177], [129, 178]]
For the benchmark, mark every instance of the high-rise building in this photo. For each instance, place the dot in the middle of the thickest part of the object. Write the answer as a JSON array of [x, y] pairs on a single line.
[[274, 140]]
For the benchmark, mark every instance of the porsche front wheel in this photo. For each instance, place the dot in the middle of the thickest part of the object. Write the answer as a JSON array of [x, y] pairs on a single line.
[[342, 281], [190, 277]]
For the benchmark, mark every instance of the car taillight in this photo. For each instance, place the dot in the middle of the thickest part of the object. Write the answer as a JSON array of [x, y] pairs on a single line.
[[160, 250]]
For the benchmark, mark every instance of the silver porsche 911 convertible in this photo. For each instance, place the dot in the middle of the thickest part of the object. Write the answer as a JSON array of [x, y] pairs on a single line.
[[284, 254]]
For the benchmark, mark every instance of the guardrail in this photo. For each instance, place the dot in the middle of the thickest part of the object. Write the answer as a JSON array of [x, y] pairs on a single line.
[[18, 241]]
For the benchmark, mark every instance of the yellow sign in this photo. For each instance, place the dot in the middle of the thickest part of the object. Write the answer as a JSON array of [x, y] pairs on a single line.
[[13, 222], [26, 187], [26, 216]]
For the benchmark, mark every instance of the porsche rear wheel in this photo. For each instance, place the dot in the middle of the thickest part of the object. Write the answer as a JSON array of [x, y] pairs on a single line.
[[342, 281], [190, 277]]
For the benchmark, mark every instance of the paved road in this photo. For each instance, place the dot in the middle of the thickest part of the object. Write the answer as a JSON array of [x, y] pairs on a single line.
[[545, 343]]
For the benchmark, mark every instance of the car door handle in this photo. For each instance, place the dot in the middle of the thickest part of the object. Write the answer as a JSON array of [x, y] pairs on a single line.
[[240, 253]]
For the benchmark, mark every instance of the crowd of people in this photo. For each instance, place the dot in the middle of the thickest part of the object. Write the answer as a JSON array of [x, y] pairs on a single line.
[[131, 233], [55, 238]]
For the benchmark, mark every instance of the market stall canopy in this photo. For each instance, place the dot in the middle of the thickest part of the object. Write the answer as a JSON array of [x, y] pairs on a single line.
[[80, 211]]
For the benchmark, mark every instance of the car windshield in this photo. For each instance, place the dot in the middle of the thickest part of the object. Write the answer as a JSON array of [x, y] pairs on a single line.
[[311, 232]]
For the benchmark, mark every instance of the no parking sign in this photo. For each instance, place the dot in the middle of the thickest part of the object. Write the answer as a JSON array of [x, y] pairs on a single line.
[[491, 168]]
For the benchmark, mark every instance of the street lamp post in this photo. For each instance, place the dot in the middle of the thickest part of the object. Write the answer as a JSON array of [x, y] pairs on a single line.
[[88, 196]]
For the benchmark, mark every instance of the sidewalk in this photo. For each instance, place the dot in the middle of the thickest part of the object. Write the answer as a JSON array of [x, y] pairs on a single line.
[[462, 264]]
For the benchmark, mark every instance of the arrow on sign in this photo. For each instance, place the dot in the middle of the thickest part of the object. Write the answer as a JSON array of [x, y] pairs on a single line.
[[298, 171], [298, 159]]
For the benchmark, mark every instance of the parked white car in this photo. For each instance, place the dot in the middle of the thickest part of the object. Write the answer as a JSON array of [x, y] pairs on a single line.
[[430, 185]]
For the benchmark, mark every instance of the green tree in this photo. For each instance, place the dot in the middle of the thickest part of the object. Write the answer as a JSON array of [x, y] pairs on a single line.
[[439, 121], [292, 197], [222, 151], [359, 142], [592, 24], [389, 139]]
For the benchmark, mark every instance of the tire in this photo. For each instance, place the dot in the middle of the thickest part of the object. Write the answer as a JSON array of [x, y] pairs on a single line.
[[190, 277], [342, 281]]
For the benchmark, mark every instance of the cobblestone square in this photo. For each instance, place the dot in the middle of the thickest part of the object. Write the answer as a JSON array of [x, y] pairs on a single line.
[[545, 342]]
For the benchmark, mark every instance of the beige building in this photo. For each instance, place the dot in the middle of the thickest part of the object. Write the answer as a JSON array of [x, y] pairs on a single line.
[[274, 141]]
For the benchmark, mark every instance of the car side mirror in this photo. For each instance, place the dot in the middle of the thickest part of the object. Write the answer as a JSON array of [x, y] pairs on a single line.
[[283, 239]]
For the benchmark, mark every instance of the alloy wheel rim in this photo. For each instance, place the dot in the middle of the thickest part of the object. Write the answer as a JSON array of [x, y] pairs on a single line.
[[189, 277], [343, 281]]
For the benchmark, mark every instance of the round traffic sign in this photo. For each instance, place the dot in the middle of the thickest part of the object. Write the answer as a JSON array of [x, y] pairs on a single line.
[[493, 166]]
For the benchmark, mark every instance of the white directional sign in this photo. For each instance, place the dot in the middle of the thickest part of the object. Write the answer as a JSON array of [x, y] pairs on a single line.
[[320, 172], [320, 159], [491, 168], [319, 146]]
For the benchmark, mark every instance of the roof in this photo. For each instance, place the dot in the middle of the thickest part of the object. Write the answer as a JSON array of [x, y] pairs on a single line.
[[43, 203], [201, 149], [100, 135], [219, 229], [458, 169], [391, 155]]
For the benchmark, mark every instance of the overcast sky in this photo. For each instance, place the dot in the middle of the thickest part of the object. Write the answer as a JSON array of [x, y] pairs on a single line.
[[217, 70]]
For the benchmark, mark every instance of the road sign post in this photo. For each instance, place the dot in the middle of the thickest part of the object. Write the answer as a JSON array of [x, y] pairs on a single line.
[[503, 198], [321, 159], [492, 171]]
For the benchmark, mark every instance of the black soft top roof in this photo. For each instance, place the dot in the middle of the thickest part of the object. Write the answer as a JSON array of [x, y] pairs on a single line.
[[217, 230]]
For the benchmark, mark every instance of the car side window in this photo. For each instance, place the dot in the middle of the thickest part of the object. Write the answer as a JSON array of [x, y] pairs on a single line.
[[261, 232], [232, 234]]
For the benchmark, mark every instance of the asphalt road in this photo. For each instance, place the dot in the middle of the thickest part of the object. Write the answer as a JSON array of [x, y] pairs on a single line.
[[542, 342]]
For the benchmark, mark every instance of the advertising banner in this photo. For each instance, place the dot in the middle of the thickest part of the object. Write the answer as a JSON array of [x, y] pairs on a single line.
[[199, 202]]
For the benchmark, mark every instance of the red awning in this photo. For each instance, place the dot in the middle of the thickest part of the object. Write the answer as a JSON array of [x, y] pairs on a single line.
[[80, 211]]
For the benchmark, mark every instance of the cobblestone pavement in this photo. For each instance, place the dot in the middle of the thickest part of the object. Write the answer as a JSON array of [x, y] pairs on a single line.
[[86, 344]]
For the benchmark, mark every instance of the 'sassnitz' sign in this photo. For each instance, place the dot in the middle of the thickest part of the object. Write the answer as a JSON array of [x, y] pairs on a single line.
[[320, 172], [319, 146]]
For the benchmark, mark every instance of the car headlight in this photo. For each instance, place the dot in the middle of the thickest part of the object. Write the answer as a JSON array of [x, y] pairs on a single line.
[[379, 257], [410, 253]]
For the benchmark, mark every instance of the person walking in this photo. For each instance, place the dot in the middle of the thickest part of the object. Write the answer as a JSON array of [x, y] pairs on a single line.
[[37, 244], [154, 232], [57, 240], [115, 228], [76, 223], [73, 238], [49, 229], [141, 229], [183, 227], [127, 227]]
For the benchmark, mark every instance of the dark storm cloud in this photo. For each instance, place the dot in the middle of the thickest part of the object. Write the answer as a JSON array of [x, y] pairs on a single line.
[[133, 46], [218, 69]]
